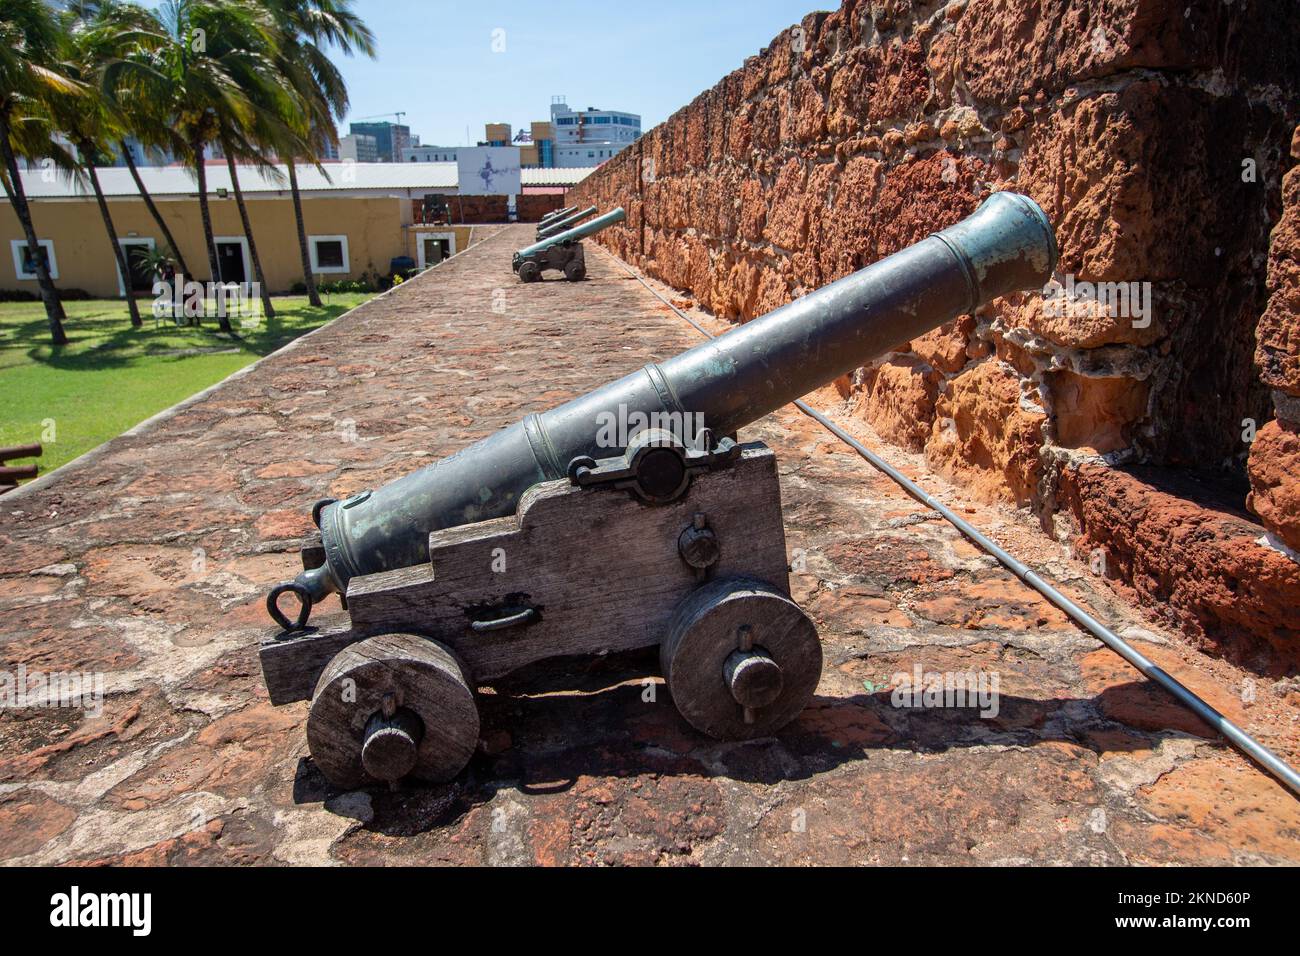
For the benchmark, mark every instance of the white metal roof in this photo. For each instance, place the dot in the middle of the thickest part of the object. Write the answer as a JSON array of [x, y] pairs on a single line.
[[178, 181], [559, 176]]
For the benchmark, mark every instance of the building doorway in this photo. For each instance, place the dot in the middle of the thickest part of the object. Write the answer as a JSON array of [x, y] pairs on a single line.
[[436, 247], [142, 277], [232, 258]]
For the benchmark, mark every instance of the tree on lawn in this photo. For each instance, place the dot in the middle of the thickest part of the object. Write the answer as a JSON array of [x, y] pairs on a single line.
[[319, 93], [96, 33], [150, 123], [31, 45], [195, 78]]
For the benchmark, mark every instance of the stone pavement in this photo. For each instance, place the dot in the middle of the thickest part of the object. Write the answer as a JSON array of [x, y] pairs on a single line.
[[150, 561]]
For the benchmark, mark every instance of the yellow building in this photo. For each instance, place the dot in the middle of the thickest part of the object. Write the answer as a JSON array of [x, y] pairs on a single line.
[[357, 221]]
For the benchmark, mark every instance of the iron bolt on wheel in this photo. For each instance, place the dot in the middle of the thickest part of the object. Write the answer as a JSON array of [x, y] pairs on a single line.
[[392, 706], [530, 272], [575, 271], [741, 659]]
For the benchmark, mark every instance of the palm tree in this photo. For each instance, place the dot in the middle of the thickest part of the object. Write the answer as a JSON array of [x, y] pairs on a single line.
[[151, 127], [247, 151], [30, 47], [96, 32], [125, 149], [133, 115], [249, 42], [195, 76], [320, 95]]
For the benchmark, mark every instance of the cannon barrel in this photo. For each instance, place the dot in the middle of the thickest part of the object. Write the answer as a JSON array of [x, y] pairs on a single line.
[[571, 235], [559, 225], [1006, 245], [555, 214]]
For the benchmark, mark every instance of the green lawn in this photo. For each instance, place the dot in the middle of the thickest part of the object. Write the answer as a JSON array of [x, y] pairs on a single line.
[[111, 376]]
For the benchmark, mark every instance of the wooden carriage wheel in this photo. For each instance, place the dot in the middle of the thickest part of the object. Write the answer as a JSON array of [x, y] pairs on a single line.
[[741, 659], [392, 706]]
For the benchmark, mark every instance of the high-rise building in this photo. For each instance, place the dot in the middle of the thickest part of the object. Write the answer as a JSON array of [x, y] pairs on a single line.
[[540, 147], [430, 154], [359, 147], [536, 144], [591, 136], [390, 139]]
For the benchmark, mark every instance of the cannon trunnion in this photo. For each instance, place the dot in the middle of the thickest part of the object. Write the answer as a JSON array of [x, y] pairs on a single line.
[[667, 546]]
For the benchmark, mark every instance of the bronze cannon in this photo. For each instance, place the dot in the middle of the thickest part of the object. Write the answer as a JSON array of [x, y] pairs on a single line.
[[629, 517]]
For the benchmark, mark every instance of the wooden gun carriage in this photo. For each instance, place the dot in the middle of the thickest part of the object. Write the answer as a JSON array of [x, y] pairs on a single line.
[[664, 546]]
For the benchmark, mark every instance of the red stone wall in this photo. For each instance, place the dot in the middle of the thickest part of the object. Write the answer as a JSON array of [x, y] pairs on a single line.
[[1275, 454], [1154, 133], [531, 207], [478, 209]]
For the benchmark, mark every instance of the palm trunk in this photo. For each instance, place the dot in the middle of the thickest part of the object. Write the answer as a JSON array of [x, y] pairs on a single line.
[[87, 153], [153, 210], [312, 295], [248, 233], [18, 199], [201, 173]]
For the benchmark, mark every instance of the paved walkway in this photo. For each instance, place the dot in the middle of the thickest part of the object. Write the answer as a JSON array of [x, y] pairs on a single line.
[[149, 563]]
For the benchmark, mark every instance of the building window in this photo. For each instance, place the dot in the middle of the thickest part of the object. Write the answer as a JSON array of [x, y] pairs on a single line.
[[25, 267], [329, 254]]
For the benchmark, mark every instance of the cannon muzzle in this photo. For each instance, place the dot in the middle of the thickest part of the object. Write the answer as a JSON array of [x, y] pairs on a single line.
[[1005, 246], [545, 230]]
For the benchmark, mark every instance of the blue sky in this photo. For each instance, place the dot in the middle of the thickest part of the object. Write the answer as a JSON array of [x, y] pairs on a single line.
[[436, 60]]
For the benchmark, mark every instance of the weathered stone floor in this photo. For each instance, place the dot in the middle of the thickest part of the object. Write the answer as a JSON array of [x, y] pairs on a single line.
[[150, 563]]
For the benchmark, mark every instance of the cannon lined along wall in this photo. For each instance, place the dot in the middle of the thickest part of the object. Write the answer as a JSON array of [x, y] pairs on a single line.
[[562, 250], [673, 539], [555, 214], [558, 225]]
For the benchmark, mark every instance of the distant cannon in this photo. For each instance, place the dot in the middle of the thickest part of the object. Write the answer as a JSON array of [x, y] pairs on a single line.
[[555, 214], [562, 251], [545, 230], [10, 475]]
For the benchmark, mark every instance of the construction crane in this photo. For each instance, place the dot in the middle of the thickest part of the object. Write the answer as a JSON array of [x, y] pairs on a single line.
[[398, 113]]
